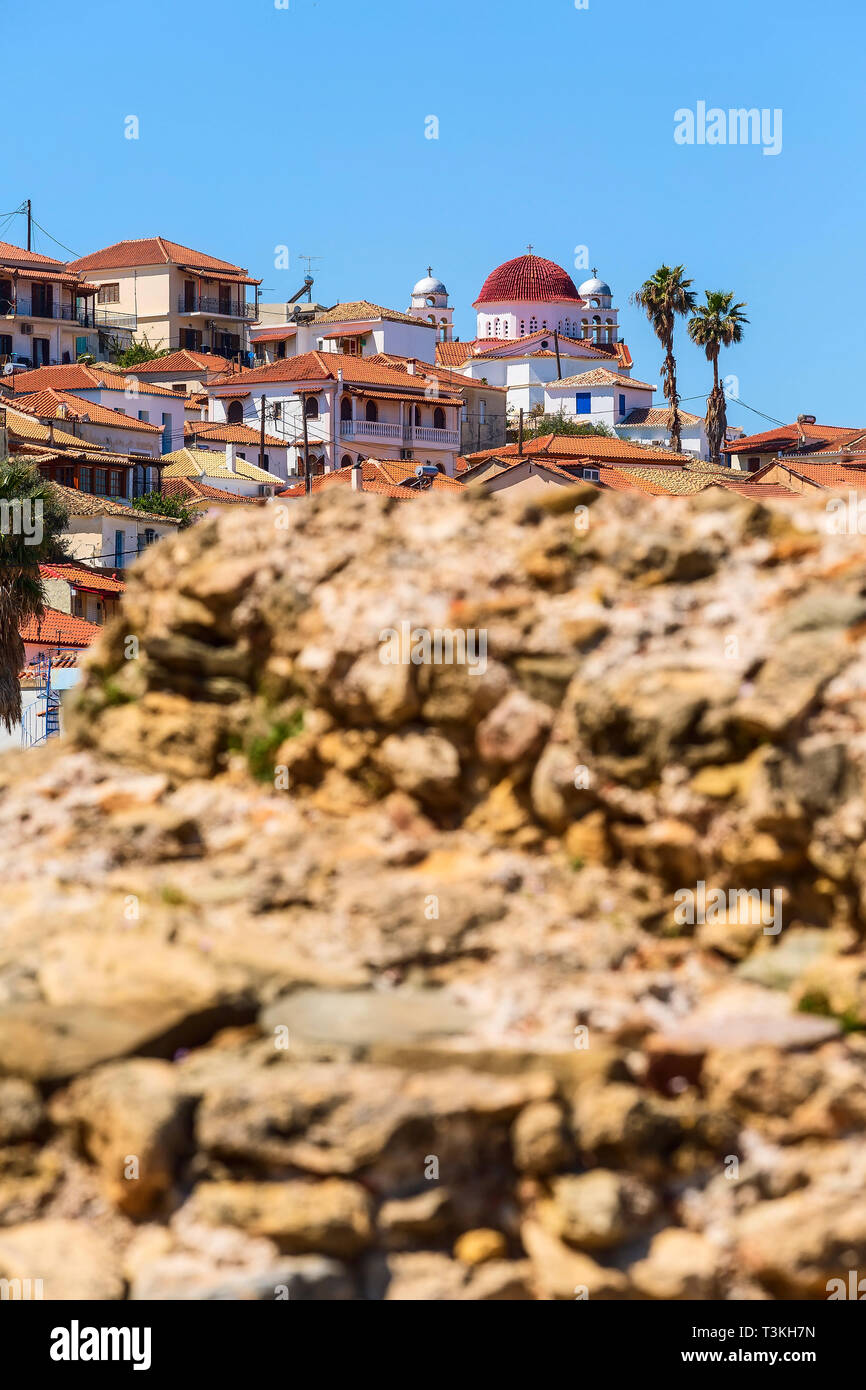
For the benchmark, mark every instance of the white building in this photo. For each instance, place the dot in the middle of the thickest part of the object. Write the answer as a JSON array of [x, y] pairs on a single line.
[[429, 304], [353, 409], [355, 329], [46, 310], [174, 296]]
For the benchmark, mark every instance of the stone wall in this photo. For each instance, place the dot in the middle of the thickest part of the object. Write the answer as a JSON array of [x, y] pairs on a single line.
[[329, 977]]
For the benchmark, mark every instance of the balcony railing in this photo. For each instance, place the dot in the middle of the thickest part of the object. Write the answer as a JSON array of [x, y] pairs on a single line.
[[220, 308], [25, 309], [407, 434], [370, 429], [107, 318]]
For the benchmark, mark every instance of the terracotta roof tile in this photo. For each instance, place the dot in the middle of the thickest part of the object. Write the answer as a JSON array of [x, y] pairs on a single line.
[[601, 376], [101, 581], [185, 361], [62, 629], [48, 403], [358, 309], [155, 250], [228, 434]]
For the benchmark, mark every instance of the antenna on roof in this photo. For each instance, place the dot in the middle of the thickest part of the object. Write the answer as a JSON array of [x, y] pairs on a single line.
[[309, 260]]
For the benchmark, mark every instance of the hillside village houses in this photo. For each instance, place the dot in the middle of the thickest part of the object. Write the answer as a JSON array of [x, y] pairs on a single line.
[[179, 298]]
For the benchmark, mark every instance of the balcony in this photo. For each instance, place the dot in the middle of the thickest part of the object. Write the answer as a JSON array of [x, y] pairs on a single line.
[[25, 309], [107, 318], [406, 435], [218, 308]]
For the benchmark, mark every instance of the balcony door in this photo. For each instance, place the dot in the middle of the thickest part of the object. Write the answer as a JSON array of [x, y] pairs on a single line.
[[42, 301], [189, 296], [5, 296]]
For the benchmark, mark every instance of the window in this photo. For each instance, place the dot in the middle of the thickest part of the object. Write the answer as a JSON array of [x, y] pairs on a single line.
[[522, 328], [345, 461], [149, 535], [482, 412], [622, 405], [417, 414], [489, 329], [345, 408], [311, 408], [371, 411], [754, 464], [281, 350], [115, 483], [99, 481], [5, 344], [108, 294], [591, 475], [78, 605], [145, 416], [439, 418], [235, 413], [119, 538], [266, 462], [583, 403], [533, 325], [84, 479], [464, 412]]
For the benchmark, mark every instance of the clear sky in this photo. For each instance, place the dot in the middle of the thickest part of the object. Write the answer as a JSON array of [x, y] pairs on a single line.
[[304, 126]]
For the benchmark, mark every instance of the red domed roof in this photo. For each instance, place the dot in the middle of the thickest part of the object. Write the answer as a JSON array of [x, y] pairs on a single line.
[[528, 278]]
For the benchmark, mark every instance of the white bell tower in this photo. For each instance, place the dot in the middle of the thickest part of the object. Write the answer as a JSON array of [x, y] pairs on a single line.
[[430, 305]]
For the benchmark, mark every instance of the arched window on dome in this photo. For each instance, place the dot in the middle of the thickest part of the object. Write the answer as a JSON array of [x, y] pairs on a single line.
[[596, 328], [523, 328], [533, 325], [431, 318], [431, 301], [496, 328], [544, 325], [489, 329], [609, 323]]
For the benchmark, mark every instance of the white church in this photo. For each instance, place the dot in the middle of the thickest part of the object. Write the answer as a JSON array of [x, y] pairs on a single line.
[[557, 347]]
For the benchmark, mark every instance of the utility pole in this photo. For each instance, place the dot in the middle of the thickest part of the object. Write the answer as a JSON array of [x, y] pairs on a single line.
[[29, 207], [308, 482], [262, 435], [520, 435], [558, 362]]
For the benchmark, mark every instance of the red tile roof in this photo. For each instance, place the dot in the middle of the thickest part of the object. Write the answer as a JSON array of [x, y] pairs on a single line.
[[583, 446], [528, 278], [228, 434], [192, 490], [185, 361], [429, 369], [324, 366], [783, 437], [601, 376], [76, 377], [658, 415], [47, 405], [155, 250], [59, 629], [100, 581], [386, 476]]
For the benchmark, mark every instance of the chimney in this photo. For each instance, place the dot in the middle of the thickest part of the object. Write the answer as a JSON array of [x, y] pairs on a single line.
[[357, 476], [410, 366]]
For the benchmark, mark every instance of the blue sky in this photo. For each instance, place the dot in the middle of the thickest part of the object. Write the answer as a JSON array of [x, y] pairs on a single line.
[[305, 126]]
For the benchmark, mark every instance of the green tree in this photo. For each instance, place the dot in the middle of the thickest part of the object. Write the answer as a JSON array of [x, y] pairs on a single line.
[[562, 424], [32, 521], [162, 505], [140, 352], [664, 297], [716, 324]]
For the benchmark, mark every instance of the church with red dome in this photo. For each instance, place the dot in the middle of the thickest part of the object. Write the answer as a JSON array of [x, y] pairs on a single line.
[[531, 294]]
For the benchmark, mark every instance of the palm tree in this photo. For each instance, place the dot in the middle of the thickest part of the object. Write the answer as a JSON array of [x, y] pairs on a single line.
[[665, 295], [716, 324], [32, 518]]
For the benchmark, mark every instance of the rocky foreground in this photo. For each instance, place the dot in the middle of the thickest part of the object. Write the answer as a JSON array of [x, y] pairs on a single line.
[[328, 978]]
